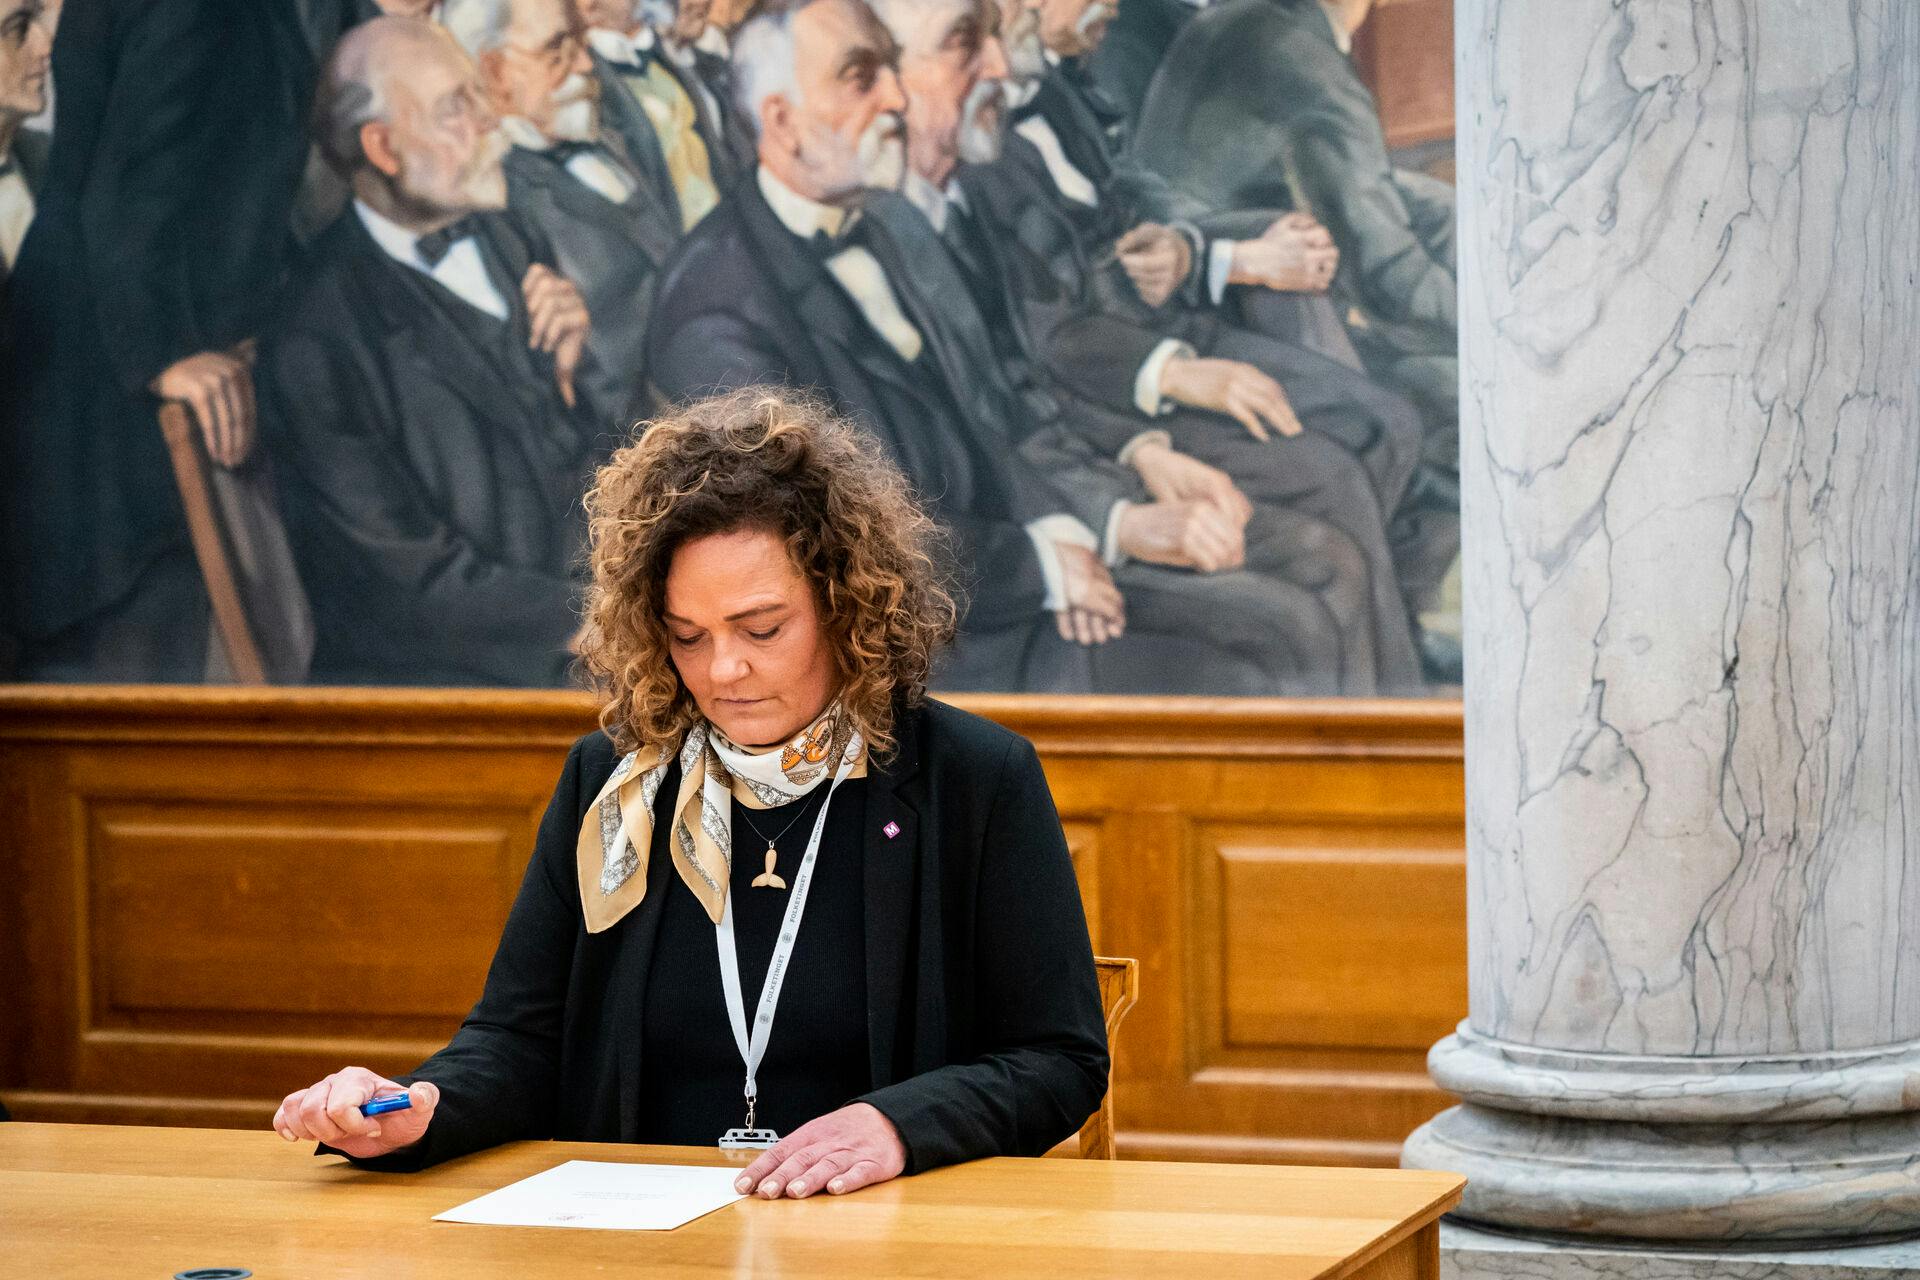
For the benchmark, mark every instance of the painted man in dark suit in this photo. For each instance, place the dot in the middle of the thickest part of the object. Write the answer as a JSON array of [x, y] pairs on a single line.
[[418, 397], [1141, 33], [951, 64], [670, 96], [1293, 425], [158, 244], [26, 45], [1171, 244], [788, 282], [26, 48], [1266, 297], [574, 180], [1258, 103]]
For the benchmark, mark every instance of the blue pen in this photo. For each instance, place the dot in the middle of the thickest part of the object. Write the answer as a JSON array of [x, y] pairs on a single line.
[[392, 1102]]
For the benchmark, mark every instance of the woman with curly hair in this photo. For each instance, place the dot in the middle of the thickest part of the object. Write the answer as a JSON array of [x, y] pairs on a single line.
[[774, 819]]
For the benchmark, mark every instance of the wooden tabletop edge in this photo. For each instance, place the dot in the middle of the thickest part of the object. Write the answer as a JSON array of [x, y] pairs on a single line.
[[1441, 1205]]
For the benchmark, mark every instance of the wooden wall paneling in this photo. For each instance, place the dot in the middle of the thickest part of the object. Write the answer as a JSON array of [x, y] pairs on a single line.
[[1332, 836], [1404, 52], [214, 896]]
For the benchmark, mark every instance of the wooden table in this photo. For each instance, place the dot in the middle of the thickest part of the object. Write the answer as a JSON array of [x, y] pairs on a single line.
[[109, 1201]]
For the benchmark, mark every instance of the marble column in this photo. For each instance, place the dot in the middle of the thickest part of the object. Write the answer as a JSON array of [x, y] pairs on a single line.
[[1690, 334]]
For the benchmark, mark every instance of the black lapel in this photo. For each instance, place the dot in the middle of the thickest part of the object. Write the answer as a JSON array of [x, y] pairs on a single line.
[[411, 310], [641, 214], [414, 314], [820, 307], [1082, 138], [892, 861]]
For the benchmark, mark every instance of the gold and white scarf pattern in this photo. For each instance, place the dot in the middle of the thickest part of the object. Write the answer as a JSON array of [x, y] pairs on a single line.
[[617, 833]]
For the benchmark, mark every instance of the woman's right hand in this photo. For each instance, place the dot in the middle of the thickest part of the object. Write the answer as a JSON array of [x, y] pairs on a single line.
[[329, 1112]]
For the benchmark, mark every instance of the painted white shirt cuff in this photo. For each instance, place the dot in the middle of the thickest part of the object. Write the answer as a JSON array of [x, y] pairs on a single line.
[[1219, 269], [1152, 435], [1047, 530], [1110, 553], [1146, 383]]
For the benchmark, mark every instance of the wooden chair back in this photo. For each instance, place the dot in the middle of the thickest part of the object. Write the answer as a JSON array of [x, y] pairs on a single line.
[[1119, 988], [191, 475]]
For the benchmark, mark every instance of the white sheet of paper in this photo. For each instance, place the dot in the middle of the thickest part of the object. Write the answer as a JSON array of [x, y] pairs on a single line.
[[606, 1197]]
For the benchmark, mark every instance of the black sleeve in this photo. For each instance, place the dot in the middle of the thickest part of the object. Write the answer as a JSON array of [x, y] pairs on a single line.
[[500, 1073], [1098, 355], [1041, 1067]]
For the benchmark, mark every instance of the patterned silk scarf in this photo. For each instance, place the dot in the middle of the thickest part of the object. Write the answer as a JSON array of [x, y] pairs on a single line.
[[617, 833]]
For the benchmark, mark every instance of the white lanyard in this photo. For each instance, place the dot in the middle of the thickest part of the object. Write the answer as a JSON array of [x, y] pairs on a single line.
[[754, 1051]]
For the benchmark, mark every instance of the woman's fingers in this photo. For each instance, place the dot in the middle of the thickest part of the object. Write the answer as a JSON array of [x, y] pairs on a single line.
[[829, 1166], [344, 1097], [314, 1120], [329, 1112], [775, 1184], [286, 1120], [861, 1173], [772, 1158]]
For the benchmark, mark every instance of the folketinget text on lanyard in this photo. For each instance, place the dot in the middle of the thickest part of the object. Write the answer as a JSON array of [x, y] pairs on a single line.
[[753, 1047]]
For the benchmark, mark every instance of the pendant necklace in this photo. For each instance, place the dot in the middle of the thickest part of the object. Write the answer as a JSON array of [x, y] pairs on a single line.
[[767, 879]]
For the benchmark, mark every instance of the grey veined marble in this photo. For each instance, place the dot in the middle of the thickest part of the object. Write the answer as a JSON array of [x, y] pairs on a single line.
[[1467, 1254], [1690, 331]]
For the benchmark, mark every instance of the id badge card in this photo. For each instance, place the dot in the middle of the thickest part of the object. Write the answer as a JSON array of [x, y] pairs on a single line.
[[754, 1139]]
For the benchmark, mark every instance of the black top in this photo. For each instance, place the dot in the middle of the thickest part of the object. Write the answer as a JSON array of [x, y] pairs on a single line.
[[690, 1088], [984, 1032]]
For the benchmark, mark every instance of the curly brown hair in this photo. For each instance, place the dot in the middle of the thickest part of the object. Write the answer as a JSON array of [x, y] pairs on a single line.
[[775, 459]]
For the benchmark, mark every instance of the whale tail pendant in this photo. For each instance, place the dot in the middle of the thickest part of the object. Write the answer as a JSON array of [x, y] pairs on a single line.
[[767, 879]]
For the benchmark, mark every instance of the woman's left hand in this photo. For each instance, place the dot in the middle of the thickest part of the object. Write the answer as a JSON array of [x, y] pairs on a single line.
[[842, 1151]]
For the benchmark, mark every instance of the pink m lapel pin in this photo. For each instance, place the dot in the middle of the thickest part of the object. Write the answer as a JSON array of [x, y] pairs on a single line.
[[892, 829]]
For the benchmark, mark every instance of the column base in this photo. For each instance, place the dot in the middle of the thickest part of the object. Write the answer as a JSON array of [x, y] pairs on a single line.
[[1467, 1253], [1780, 1184]]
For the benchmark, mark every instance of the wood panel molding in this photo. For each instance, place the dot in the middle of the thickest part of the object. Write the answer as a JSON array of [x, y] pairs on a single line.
[[189, 881]]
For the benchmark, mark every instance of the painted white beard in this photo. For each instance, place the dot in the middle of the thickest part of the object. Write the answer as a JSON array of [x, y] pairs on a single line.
[[883, 155], [877, 162], [483, 184], [1026, 51], [980, 124], [577, 118], [1095, 13]]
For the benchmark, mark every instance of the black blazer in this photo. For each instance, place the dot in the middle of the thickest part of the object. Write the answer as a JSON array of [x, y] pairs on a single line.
[[430, 479], [985, 1031]]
